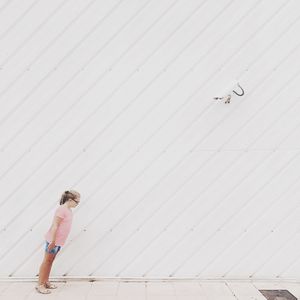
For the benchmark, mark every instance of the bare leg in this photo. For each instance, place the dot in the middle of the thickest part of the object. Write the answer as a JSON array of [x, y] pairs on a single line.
[[49, 269], [45, 267]]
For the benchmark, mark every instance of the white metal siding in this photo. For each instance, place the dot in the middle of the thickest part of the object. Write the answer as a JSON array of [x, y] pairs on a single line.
[[115, 99]]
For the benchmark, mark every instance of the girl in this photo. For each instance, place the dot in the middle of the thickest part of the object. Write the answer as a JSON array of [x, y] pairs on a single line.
[[56, 237]]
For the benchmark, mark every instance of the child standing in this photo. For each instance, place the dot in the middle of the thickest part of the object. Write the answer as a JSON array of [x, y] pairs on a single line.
[[56, 237]]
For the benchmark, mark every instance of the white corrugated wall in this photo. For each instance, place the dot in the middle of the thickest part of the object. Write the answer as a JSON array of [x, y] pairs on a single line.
[[115, 99]]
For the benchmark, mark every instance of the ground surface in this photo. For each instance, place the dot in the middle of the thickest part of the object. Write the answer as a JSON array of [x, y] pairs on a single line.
[[148, 290]]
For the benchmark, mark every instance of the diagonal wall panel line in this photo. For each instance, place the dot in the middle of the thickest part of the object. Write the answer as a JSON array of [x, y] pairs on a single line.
[[258, 57], [197, 35], [167, 200], [291, 132], [87, 119], [2, 8], [283, 60], [51, 127], [276, 93], [254, 6], [291, 212], [180, 162], [24, 100], [232, 291], [155, 238], [295, 261], [283, 140], [252, 72], [63, 114], [112, 175], [286, 136], [260, 28], [183, 236], [79, 153], [251, 224], [266, 103], [144, 196], [255, 33], [89, 61], [100, 77], [2, 35], [152, 107], [33, 33], [229, 218], [284, 243], [260, 84], [47, 48], [78, 72], [97, 216], [187, 207], [57, 149], [290, 107], [153, 186], [258, 242], [221, 174], [252, 142], [63, 168]]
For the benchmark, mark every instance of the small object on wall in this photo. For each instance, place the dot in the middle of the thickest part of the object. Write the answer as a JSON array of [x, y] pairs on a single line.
[[228, 93]]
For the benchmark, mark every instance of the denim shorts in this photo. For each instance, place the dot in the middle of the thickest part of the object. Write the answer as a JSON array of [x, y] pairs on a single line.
[[52, 251]]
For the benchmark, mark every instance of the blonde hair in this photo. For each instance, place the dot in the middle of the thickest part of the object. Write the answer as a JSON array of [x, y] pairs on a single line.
[[71, 194]]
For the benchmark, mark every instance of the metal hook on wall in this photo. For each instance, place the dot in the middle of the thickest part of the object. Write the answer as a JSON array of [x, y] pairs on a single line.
[[243, 92]]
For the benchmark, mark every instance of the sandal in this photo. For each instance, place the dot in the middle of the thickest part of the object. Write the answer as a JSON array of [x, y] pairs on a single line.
[[41, 289], [49, 285]]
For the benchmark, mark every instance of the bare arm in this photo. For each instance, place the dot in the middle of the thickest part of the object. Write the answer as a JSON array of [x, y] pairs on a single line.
[[54, 226]]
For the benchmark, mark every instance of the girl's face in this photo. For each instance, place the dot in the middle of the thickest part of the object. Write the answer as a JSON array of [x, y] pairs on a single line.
[[75, 202]]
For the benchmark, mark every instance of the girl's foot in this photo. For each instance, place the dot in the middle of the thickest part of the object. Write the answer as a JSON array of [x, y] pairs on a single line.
[[41, 289], [49, 285]]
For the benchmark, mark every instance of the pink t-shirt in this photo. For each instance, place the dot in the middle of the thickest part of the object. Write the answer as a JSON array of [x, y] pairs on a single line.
[[63, 228]]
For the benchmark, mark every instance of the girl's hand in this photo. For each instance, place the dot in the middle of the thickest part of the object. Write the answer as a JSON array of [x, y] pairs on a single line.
[[51, 246]]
